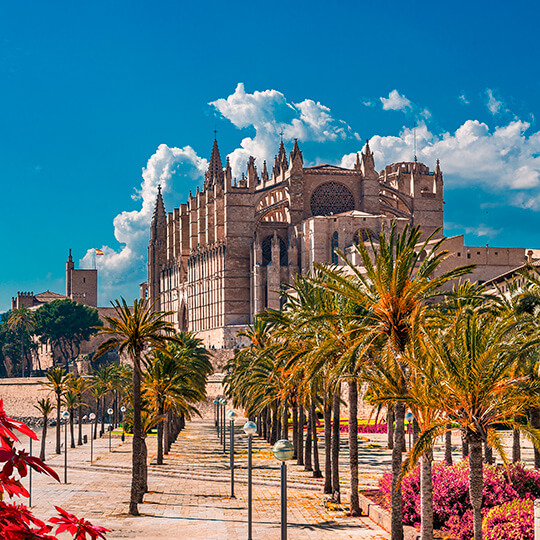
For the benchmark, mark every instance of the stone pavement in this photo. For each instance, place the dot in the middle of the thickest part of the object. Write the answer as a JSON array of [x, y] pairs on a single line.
[[189, 497]]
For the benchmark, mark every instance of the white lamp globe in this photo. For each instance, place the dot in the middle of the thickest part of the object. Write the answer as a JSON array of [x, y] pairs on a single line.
[[250, 428], [231, 415], [283, 450]]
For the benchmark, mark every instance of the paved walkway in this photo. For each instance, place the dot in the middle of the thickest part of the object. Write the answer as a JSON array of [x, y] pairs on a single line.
[[189, 497]]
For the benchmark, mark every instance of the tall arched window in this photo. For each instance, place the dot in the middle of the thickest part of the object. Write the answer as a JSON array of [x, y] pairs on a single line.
[[335, 244]]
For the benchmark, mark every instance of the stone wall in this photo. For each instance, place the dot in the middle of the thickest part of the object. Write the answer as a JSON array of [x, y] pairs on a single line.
[[21, 395]]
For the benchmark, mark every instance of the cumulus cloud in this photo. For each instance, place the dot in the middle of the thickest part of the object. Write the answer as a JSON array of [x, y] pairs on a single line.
[[270, 113], [395, 102], [463, 99], [177, 170], [504, 158], [493, 104]]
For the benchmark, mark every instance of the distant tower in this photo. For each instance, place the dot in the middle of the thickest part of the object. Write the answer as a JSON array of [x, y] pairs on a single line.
[[157, 250], [81, 285], [69, 272]]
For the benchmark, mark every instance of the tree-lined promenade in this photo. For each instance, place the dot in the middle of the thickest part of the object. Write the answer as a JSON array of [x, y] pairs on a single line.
[[459, 360]]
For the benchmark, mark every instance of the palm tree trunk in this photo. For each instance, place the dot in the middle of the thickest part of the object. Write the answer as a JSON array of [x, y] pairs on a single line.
[[464, 446], [166, 428], [285, 422], [426, 496], [138, 449], [390, 428], [396, 499], [534, 414], [43, 437], [58, 406], [71, 431], [103, 411], [79, 414], [313, 419], [488, 454], [516, 444], [301, 422], [96, 419], [353, 446], [307, 453], [448, 445], [144, 470], [295, 427], [336, 409], [159, 459], [476, 482], [275, 424], [327, 444]]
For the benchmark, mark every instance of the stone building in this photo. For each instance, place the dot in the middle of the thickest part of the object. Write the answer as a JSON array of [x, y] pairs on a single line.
[[223, 256]]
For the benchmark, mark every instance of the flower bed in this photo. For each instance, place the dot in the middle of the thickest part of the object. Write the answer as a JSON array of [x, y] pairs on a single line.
[[364, 426], [452, 511]]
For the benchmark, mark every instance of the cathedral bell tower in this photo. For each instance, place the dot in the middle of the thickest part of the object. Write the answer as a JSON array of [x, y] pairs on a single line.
[[157, 250]]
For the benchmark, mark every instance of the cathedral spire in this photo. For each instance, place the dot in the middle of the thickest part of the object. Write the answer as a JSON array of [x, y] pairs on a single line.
[[367, 164], [159, 218], [264, 173], [215, 168], [282, 157]]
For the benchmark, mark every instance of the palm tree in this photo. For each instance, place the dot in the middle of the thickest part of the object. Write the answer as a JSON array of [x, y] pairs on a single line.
[[45, 407], [168, 387], [98, 390], [473, 385], [58, 381], [79, 385], [398, 278], [22, 320], [71, 401], [131, 332]]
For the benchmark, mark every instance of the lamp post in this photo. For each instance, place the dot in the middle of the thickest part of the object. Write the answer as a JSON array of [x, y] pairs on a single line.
[[65, 416], [250, 429], [231, 415], [30, 479], [123, 410], [110, 411], [216, 415], [283, 451], [223, 433], [91, 417]]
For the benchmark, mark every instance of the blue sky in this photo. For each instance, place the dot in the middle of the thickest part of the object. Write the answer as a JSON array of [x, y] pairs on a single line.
[[92, 93]]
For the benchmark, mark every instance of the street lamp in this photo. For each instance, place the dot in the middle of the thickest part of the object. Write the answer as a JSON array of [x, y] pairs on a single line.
[[283, 451], [123, 410], [250, 429], [408, 418], [91, 417], [223, 434], [110, 411], [215, 413], [65, 416], [30, 479], [231, 415]]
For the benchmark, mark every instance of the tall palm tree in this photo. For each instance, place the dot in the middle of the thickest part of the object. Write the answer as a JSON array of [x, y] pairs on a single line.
[[22, 320], [58, 381], [45, 407], [131, 332], [399, 276], [474, 386], [98, 390]]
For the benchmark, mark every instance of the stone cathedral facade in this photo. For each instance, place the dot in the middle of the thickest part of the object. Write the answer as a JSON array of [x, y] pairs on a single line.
[[223, 256]]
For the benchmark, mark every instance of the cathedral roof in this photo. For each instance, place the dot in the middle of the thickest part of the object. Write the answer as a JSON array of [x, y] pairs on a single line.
[[215, 168]]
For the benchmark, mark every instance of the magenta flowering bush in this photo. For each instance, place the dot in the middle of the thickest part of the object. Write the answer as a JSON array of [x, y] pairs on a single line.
[[513, 520], [452, 510]]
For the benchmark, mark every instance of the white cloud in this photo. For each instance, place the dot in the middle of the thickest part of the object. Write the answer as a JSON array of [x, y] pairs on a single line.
[[269, 113], [463, 99], [395, 102], [504, 158], [493, 104], [478, 230], [177, 170]]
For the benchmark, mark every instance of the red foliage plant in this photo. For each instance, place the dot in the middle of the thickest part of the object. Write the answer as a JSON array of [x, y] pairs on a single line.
[[16, 520]]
